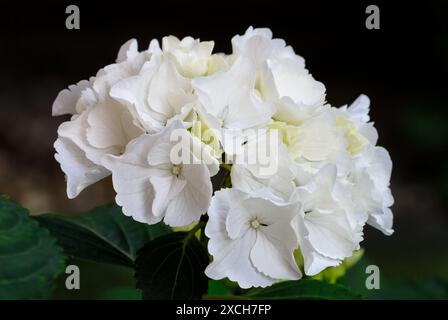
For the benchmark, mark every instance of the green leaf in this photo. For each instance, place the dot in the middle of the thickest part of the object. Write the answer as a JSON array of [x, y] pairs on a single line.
[[397, 287], [172, 267], [218, 288], [105, 234], [305, 289], [30, 259]]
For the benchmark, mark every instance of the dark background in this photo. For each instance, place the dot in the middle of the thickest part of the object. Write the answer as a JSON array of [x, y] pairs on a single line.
[[402, 67]]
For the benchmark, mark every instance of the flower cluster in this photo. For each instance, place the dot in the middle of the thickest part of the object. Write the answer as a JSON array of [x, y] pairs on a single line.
[[326, 178]]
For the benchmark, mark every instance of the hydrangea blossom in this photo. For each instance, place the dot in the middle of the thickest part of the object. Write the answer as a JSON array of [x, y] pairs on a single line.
[[251, 238], [302, 176]]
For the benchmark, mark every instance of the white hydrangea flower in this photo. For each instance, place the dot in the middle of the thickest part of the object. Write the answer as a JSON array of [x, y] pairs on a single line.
[[65, 102], [371, 178], [157, 94], [151, 187], [326, 231], [281, 75], [193, 58], [273, 172], [314, 189], [251, 239], [319, 140], [99, 125], [354, 123], [228, 101], [371, 169]]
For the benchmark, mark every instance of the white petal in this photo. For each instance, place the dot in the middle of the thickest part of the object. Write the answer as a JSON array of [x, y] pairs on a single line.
[[359, 110], [272, 253], [160, 153], [325, 221], [230, 97], [156, 95], [165, 85], [383, 221], [230, 258], [330, 233], [293, 80], [132, 92], [131, 181], [138, 205], [314, 262], [237, 222], [191, 55], [111, 74], [218, 211], [65, 102], [275, 172], [166, 189], [381, 167], [129, 50], [194, 200], [370, 133], [234, 262], [110, 125], [128, 175], [76, 131], [319, 138], [80, 171], [131, 178]]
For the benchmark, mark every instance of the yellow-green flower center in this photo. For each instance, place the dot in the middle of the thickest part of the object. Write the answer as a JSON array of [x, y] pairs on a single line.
[[255, 223], [176, 169]]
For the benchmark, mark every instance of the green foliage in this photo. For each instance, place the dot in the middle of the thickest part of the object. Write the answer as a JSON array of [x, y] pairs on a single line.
[[305, 289], [172, 267], [404, 288], [167, 265], [97, 281], [218, 288], [30, 259], [105, 234]]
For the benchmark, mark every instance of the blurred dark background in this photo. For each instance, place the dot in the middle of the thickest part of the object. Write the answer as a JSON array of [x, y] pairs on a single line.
[[402, 67]]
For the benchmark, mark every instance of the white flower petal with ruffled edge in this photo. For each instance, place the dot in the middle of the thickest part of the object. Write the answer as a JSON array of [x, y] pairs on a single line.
[[371, 177], [65, 102], [359, 110], [324, 223], [282, 78], [128, 51], [230, 97], [275, 172], [194, 199], [110, 124], [294, 81], [230, 258], [382, 220], [330, 233], [319, 138], [178, 196], [276, 242], [314, 262], [244, 229], [191, 56], [157, 94], [80, 172]]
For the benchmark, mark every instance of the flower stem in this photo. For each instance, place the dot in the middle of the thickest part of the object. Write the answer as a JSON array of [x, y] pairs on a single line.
[[226, 166]]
